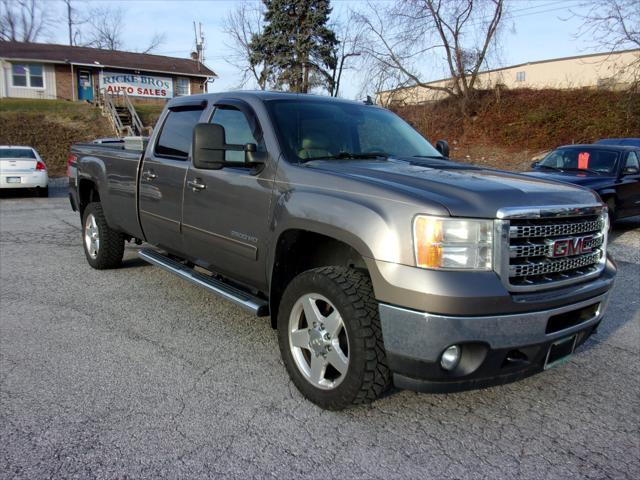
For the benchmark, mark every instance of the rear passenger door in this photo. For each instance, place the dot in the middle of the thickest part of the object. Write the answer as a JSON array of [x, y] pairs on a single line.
[[162, 178]]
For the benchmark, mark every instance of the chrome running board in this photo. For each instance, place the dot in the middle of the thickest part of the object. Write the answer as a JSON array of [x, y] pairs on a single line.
[[255, 305]]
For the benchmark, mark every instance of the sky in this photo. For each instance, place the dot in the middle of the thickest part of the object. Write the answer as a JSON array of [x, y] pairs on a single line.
[[535, 30]]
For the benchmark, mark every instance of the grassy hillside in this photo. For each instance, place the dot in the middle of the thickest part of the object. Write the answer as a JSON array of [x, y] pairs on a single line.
[[50, 126], [509, 128]]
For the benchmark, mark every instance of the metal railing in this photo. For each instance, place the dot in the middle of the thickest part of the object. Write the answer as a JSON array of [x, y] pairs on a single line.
[[109, 104]]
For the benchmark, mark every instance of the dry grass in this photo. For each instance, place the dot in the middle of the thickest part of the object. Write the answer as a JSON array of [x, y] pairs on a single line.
[[510, 128], [50, 126]]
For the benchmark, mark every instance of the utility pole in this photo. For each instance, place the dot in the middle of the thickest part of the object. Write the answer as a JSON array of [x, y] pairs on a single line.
[[70, 21]]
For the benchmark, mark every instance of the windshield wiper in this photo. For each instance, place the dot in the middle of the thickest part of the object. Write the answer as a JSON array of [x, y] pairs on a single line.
[[590, 170], [349, 156], [549, 167], [437, 157]]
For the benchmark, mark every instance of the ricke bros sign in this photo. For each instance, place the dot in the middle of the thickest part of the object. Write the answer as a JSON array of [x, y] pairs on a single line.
[[136, 85]]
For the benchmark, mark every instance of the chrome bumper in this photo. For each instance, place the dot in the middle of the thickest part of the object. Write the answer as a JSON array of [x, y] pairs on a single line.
[[424, 336]]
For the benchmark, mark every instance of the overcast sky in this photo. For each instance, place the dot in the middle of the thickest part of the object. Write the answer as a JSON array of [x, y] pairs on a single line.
[[537, 30]]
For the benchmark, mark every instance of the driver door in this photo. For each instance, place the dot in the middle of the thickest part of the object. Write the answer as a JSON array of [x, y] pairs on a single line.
[[629, 187], [226, 216]]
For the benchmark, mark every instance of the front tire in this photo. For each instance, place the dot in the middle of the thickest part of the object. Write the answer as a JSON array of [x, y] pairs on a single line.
[[330, 338], [103, 246]]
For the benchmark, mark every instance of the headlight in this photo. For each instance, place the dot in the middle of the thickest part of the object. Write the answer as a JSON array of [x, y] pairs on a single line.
[[453, 243]]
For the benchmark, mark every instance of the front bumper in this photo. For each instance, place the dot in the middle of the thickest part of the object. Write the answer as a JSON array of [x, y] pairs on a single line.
[[496, 348]]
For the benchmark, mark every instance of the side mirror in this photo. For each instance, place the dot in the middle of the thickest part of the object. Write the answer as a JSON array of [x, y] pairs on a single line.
[[208, 146], [252, 157], [443, 147], [535, 164]]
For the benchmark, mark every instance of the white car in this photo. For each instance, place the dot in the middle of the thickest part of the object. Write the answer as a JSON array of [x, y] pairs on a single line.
[[22, 167]]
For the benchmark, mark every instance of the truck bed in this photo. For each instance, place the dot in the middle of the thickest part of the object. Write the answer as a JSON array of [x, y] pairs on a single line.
[[118, 187]]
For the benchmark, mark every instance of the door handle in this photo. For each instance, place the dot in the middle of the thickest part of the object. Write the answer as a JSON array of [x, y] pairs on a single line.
[[195, 185], [149, 175]]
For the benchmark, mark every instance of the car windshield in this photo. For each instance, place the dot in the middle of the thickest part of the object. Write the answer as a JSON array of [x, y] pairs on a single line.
[[312, 129], [593, 160], [16, 153]]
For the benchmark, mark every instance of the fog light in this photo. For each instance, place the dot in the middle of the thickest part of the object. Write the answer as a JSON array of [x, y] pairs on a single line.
[[450, 357]]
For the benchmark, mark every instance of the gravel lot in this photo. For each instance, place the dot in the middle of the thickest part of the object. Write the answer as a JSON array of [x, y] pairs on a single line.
[[134, 373]]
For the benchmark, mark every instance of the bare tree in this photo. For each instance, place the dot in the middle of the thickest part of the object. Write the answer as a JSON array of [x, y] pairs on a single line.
[[106, 26], [461, 33], [23, 20], [611, 24], [157, 40], [350, 36], [241, 25]]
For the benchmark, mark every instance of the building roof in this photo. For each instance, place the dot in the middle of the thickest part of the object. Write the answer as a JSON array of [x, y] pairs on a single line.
[[49, 52]]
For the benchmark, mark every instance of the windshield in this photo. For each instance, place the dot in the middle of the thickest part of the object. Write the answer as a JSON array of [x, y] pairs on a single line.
[[16, 153], [311, 129], [587, 159]]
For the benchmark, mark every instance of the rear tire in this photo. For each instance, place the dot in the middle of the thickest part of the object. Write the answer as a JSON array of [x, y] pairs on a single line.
[[360, 374], [43, 192], [103, 246]]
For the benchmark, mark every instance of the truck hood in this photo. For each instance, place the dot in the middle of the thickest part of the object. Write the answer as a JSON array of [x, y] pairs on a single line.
[[588, 180], [464, 190]]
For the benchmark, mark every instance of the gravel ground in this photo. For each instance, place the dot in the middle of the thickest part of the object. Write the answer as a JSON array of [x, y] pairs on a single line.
[[133, 373]]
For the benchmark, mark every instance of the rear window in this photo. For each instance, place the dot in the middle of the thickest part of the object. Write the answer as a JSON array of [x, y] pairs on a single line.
[[177, 132], [17, 153]]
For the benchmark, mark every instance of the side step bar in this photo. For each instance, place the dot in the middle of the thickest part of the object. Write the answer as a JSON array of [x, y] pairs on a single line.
[[249, 302]]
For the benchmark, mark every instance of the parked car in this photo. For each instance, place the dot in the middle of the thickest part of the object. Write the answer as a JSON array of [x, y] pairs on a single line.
[[21, 168], [629, 142], [378, 259], [613, 171]]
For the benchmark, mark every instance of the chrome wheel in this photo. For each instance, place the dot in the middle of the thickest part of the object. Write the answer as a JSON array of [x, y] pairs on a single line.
[[91, 236], [318, 341]]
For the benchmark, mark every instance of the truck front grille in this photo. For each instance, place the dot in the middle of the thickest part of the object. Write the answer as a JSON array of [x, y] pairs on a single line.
[[552, 250]]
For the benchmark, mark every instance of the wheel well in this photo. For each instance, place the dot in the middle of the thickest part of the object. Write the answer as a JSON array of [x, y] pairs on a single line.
[[301, 250], [87, 193]]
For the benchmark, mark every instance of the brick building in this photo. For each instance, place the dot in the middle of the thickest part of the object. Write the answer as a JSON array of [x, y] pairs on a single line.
[[48, 71]]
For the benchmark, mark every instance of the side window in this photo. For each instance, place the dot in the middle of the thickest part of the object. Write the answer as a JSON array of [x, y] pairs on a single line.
[[632, 162], [236, 129], [176, 134]]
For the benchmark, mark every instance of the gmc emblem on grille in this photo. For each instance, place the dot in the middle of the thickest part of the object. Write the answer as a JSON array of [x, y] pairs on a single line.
[[566, 247]]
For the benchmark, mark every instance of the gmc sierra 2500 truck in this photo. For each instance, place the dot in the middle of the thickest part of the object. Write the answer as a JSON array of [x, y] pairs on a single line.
[[379, 261]]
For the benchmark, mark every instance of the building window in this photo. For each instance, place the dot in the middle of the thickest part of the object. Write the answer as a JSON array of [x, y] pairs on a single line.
[[520, 76], [182, 86], [29, 75]]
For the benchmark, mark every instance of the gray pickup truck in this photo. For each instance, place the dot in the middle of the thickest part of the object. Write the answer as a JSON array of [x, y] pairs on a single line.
[[379, 261]]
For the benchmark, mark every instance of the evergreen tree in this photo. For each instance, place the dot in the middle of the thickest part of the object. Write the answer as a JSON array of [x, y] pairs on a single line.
[[296, 44]]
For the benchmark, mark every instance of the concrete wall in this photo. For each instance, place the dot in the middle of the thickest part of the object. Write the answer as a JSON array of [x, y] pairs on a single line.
[[48, 91], [609, 71]]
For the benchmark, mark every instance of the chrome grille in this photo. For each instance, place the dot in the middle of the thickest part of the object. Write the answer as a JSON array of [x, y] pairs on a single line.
[[545, 248], [550, 230], [552, 266]]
